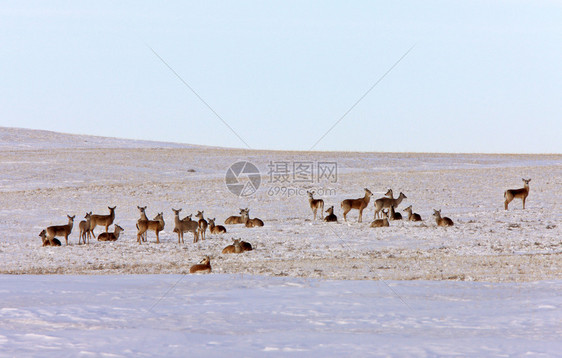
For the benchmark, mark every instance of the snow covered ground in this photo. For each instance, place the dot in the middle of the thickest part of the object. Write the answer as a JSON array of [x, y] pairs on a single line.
[[297, 291]]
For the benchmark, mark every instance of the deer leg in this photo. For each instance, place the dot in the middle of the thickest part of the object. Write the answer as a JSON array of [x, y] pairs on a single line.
[[360, 216]]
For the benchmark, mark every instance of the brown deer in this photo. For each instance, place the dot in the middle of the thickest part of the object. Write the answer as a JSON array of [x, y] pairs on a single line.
[[231, 220], [522, 194], [358, 204], [255, 222], [84, 227], [202, 224], [156, 225], [315, 204], [442, 221], [46, 241], [381, 222], [185, 225], [202, 267], [331, 217], [111, 236], [60, 230], [382, 203], [142, 212], [102, 220], [412, 216], [246, 246], [393, 215], [216, 229], [235, 248]]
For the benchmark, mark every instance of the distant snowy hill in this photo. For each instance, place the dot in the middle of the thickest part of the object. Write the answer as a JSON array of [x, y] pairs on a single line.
[[20, 138]]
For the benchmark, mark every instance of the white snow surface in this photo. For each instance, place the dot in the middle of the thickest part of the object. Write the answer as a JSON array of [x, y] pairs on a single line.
[[309, 288]]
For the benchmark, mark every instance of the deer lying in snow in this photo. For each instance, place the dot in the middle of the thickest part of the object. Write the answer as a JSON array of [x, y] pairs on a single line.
[[255, 222], [238, 246], [412, 216], [381, 222], [231, 220], [111, 236], [441, 221], [216, 229], [331, 217], [202, 267], [46, 241]]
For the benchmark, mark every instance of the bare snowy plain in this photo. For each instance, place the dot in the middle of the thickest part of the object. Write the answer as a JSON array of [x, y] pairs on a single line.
[[489, 286]]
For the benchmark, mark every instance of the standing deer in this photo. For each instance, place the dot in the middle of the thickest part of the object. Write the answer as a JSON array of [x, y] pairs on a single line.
[[442, 221], [235, 219], [111, 236], [381, 222], [102, 220], [382, 203], [331, 217], [156, 225], [412, 216], [202, 267], [84, 227], [60, 230], [358, 204], [315, 204], [394, 215], [250, 222], [185, 225], [202, 224], [216, 229], [142, 212], [46, 241], [522, 194]]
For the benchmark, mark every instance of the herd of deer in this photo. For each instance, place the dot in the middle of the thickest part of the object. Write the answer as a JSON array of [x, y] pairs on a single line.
[[199, 227], [382, 216]]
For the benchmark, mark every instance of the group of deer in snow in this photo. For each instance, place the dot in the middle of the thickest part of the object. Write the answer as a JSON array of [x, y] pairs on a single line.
[[382, 216]]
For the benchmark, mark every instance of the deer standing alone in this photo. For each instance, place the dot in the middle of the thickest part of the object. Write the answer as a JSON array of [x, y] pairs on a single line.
[[522, 194], [60, 230], [382, 203], [216, 229], [331, 217], [156, 225], [358, 204], [412, 216], [102, 220], [185, 225], [111, 236], [442, 221], [315, 204], [202, 225], [84, 227], [202, 267], [142, 212]]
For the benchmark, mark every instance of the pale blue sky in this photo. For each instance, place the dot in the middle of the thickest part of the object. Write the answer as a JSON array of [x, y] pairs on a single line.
[[484, 76]]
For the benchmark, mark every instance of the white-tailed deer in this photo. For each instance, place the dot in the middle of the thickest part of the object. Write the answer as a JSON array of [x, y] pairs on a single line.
[[84, 227], [60, 230], [111, 236], [412, 216], [202, 267], [442, 221], [202, 224], [381, 222], [393, 215], [358, 204], [331, 217], [231, 220], [185, 225], [46, 241], [235, 248], [315, 204], [102, 220], [216, 229], [156, 225], [255, 222], [382, 203], [522, 194], [142, 212]]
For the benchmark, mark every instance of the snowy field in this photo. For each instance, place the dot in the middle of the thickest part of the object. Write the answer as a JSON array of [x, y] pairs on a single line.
[[309, 286]]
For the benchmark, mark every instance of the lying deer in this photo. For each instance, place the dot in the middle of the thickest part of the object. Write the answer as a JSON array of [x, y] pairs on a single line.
[[381, 222], [382, 203], [238, 246], [235, 219], [255, 222], [202, 267], [202, 224], [60, 230], [331, 217], [102, 220], [156, 225], [216, 229], [46, 241], [142, 212], [111, 236], [84, 227], [412, 216], [358, 204], [442, 221], [315, 204], [522, 194], [185, 225], [393, 215]]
